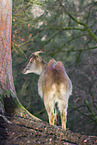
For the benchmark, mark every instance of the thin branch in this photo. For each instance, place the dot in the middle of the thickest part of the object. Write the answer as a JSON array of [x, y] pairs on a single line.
[[63, 28], [20, 20], [91, 34], [52, 36], [60, 49], [76, 37], [19, 48], [77, 108], [95, 47], [39, 112], [73, 50], [88, 116], [89, 108], [14, 47], [85, 26], [29, 39], [5, 119]]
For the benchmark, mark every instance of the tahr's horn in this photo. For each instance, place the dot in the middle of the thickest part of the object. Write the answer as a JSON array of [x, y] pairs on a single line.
[[37, 52]]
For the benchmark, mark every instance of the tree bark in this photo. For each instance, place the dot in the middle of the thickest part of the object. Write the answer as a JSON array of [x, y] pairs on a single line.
[[6, 80], [8, 98]]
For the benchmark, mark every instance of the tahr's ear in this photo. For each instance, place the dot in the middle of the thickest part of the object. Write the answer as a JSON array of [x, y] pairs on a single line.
[[37, 53]]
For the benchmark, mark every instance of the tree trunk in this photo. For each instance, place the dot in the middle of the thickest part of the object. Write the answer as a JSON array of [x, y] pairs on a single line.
[[8, 98], [6, 80]]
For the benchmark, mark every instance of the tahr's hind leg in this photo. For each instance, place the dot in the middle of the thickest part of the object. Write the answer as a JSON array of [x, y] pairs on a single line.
[[63, 112], [49, 105], [51, 118], [63, 120], [56, 114]]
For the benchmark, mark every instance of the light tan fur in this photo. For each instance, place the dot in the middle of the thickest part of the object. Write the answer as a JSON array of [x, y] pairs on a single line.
[[54, 86]]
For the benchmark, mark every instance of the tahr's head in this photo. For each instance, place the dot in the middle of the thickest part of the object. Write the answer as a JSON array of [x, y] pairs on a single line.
[[34, 64]]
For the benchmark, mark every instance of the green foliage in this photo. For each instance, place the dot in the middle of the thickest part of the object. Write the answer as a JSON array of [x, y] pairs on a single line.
[[65, 30]]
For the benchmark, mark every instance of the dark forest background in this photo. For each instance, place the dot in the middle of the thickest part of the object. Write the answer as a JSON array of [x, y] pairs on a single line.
[[67, 31]]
